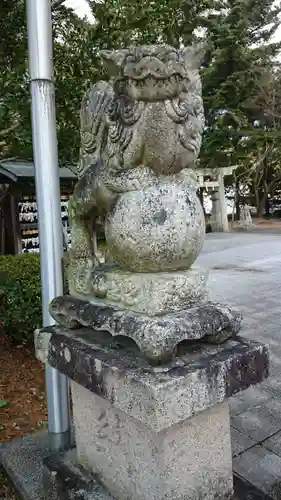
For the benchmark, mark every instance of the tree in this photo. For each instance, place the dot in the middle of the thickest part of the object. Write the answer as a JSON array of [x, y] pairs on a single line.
[[238, 31], [76, 67], [239, 34], [14, 114], [123, 23], [262, 172], [72, 62]]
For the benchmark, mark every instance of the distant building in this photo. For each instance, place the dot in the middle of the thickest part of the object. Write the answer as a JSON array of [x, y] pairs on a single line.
[[18, 208]]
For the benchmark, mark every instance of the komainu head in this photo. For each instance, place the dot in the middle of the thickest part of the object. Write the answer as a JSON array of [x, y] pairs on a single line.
[[153, 72]]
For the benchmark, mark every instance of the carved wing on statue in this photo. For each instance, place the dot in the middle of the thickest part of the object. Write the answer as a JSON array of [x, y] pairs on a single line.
[[93, 124]]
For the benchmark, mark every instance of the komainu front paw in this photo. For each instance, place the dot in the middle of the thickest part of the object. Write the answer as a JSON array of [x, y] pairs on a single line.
[[79, 275]]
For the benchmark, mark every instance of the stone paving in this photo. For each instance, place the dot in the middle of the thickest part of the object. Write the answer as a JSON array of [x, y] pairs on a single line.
[[245, 271]]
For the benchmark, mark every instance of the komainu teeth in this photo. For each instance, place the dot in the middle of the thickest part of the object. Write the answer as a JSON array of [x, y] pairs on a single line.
[[172, 80]]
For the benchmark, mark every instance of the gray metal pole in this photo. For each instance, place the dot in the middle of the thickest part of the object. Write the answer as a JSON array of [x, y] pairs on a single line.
[[48, 199]]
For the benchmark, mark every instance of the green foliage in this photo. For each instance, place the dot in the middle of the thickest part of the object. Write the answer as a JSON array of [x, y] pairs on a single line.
[[123, 22], [20, 297], [15, 128], [239, 33], [74, 70], [76, 67], [4, 404], [240, 57]]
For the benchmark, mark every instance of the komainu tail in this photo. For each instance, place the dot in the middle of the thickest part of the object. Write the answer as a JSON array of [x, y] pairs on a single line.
[[93, 124]]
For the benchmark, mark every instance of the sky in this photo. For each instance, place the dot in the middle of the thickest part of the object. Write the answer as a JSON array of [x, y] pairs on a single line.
[[82, 9], [277, 37]]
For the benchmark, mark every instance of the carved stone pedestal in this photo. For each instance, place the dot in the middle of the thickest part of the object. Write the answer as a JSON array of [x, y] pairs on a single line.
[[157, 337], [153, 294], [155, 433]]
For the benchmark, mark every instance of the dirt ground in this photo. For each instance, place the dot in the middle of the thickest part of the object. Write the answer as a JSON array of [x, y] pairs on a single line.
[[267, 223], [7, 492], [260, 224], [22, 399]]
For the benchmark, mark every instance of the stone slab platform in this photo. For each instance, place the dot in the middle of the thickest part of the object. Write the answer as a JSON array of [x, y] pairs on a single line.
[[22, 459], [27, 460], [201, 377]]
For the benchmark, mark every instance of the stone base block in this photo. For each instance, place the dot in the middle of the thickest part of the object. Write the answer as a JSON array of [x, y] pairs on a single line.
[[157, 433], [65, 479], [38, 476], [153, 294], [189, 460], [157, 397]]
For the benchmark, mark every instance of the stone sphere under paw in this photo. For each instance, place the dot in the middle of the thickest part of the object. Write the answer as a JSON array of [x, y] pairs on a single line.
[[160, 228]]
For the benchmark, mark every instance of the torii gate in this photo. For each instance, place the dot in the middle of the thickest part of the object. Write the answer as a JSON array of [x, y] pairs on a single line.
[[219, 218]]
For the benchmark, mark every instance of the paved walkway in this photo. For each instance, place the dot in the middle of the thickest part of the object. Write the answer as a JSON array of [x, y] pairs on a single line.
[[245, 271]]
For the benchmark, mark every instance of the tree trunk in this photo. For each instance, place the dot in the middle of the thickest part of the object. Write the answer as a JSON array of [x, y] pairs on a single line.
[[201, 198], [237, 199], [267, 206], [261, 200]]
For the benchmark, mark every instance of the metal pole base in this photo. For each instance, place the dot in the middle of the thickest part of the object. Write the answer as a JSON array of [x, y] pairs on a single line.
[[59, 442]]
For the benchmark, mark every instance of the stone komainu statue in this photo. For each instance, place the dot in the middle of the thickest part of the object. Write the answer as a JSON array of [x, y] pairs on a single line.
[[140, 137], [142, 127]]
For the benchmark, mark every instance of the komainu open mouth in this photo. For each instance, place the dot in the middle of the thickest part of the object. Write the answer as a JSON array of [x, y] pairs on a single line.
[[152, 87], [156, 79]]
